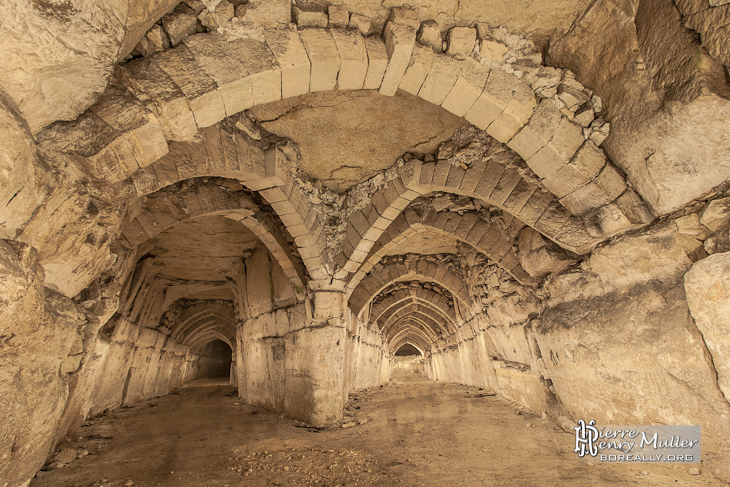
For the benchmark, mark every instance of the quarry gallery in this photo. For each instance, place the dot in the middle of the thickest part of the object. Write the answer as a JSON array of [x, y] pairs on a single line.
[[518, 202]]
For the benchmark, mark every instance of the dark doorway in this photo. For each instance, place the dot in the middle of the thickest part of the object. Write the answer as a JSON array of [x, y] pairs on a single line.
[[215, 360]]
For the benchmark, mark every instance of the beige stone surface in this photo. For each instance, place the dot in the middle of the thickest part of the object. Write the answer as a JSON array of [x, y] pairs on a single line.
[[201, 249], [324, 125], [708, 295], [399, 40], [429, 34], [32, 358], [666, 118], [538, 26], [271, 13], [324, 57], [23, 175], [163, 218], [461, 41]]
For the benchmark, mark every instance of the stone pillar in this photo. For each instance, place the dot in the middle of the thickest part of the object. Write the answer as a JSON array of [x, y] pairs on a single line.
[[321, 346]]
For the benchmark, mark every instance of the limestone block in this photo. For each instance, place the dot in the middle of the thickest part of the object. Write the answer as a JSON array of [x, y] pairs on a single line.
[[429, 35], [707, 285], [353, 59], [293, 60], [583, 168], [535, 206], [399, 41], [634, 208], [515, 115], [269, 13], [201, 91], [377, 62], [519, 196], [218, 17], [538, 131], [605, 188], [572, 96], [565, 141], [196, 5], [161, 95], [139, 128], [361, 23], [442, 77], [339, 16], [245, 69], [418, 68], [690, 225], [180, 23], [608, 220], [404, 16], [492, 49], [567, 138], [461, 41], [155, 40], [563, 228], [468, 87], [493, 100], [305, 18], [325, 59], [717, 215]]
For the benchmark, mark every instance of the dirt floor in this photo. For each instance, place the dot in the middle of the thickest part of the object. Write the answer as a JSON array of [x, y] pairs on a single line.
[[412, 433]]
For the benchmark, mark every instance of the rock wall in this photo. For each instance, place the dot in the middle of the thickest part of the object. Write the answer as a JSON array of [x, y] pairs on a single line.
[[665, 96], [619, 345], [41, 349]]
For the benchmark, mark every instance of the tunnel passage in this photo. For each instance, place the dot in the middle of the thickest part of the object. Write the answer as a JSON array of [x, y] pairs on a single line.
[[215, 361], [408, 364], [492, 238], [407, 350]]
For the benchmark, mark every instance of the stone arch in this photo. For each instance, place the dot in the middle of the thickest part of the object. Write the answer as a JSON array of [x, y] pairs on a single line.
[[438, 326], [202, 323], [425, 296], [406, 340], [469, 228], [424, 270], [173, 94], [164, 209], [412, 335], [523, 199]]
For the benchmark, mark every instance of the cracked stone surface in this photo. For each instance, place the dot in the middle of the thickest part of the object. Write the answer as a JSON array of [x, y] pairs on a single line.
[[325, 124]]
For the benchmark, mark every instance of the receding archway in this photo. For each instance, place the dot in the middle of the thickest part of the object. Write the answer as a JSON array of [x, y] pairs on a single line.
[[215, 361], [408, 363]]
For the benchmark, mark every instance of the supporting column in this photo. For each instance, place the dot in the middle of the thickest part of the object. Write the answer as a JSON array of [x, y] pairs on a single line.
[[321, 346]]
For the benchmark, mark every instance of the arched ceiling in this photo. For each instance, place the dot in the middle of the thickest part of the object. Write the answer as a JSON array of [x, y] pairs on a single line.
[[346, 146], [346, 137]]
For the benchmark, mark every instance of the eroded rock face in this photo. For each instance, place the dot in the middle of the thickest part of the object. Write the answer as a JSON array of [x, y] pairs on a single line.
[[41, 349], [708, 293], [23, 175], [57, 57], [666, 99]]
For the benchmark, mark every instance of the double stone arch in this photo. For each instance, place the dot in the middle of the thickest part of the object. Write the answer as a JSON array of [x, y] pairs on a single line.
[[145, 133]]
